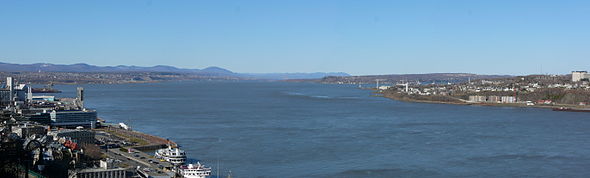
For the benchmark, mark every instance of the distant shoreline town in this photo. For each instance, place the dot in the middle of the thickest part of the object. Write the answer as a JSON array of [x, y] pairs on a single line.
[[46, 136], [558, 92]]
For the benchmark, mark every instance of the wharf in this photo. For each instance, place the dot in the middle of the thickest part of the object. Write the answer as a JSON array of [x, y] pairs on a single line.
[[142, 139]]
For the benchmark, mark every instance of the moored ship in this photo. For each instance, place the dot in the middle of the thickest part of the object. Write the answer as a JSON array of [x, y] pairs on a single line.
[[175, 156], [194, 171]]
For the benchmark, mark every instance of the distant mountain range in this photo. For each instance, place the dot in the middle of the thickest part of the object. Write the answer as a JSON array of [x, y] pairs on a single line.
[[209, 71]]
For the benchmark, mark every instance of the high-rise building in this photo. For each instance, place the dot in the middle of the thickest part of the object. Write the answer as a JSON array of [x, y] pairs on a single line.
[[30, 94], [10, 86], [80, 97], [9, 82]]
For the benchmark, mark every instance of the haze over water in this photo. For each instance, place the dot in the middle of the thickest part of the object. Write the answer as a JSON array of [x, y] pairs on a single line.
[[277, 129]]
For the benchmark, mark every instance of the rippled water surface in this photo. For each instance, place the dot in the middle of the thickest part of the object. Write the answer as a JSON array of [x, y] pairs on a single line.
[[276, 129]]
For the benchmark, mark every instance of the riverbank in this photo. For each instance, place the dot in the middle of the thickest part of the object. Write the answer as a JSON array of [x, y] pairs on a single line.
[[407, 98]]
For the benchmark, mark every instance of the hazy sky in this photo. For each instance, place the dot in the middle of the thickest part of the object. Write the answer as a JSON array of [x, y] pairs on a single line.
[[358, 37]]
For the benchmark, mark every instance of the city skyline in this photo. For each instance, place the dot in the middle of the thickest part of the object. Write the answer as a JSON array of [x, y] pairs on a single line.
[[359, 38]]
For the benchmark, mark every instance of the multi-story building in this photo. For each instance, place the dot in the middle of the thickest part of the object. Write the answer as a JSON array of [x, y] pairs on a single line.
[[26, 130], [478, 99], [107, 169], [494, 99], [22, 92], [78, 136], [73, 118], [99, 173], [579, 75], [40, 117], [508, 99], [14, 92], [4, 97]]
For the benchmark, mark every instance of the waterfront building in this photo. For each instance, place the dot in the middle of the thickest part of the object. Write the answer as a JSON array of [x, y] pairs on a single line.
[[508, 99], [73, 118], [477, 99], [579, 76], [494, 99]]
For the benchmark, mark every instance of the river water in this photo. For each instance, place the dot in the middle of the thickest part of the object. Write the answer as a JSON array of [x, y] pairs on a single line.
[[278, 129]]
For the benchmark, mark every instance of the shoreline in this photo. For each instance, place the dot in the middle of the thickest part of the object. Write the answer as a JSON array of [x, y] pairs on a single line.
[[516, 105]]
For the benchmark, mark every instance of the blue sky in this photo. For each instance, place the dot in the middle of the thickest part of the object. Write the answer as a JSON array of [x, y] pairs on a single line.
[[358, 37]]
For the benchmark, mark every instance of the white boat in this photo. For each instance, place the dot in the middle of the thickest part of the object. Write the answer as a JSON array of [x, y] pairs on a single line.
[[194, 171], [175, 156]]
